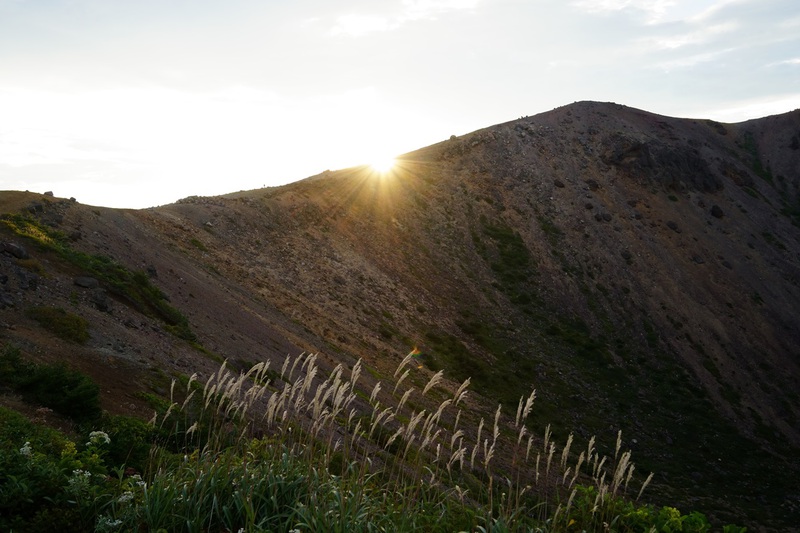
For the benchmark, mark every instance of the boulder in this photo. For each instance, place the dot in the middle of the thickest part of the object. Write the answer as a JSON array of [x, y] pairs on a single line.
[[86, 282], [16, 250]]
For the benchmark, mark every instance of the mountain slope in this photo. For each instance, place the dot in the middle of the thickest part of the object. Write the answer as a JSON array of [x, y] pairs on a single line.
[[640, 271]]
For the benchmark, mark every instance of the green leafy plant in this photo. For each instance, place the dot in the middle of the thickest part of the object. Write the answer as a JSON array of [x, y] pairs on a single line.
[[56, 386]]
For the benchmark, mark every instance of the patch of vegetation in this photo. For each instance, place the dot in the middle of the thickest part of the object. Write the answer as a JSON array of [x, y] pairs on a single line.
[[386, 330], [61, 323], [577, 335], [197, 244], [58, 387], [719, 128], [297, 478], [510, 260], [133, 287], [755, 160], [773, 240], [791, 210], [32, 265], [752, 192], [513, 261], [551, 231], [651, 335]]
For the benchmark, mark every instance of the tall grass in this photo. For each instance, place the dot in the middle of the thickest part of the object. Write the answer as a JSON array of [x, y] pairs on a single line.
[[306, 452], [297, 450]]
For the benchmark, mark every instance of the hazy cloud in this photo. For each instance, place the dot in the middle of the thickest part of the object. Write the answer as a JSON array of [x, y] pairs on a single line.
[[358, 25]]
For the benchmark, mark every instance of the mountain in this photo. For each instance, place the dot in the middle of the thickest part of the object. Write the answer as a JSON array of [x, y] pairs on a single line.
[[640, 271]]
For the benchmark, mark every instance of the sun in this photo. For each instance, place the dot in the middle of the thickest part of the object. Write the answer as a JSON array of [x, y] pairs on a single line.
[[382, 164]]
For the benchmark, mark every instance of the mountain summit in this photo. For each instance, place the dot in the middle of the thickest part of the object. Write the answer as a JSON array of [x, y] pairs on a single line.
[[640, 271]]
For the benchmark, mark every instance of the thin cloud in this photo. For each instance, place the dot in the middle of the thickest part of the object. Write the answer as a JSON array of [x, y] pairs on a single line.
[[654, 11], [699, 36], [358, 25], [693, 60], [429, 9], [795, 61]]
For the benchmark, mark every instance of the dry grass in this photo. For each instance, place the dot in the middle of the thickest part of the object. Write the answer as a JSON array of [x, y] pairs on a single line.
[[413, 452]]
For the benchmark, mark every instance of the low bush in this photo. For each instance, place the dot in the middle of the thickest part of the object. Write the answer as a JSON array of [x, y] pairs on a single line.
[[62, 389], [64, 325]]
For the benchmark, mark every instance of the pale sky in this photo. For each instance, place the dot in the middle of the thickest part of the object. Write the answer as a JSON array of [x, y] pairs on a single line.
[[139, 103]]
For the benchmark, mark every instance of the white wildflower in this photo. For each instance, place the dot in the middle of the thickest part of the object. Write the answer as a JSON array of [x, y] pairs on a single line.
[[26, 449], [105, 523], [98, 437]]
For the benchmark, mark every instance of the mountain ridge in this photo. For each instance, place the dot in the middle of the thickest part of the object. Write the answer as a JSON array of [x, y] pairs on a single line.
[[639, 270]]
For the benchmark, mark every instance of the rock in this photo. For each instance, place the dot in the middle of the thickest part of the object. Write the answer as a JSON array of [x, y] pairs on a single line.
[[716, 211], [673, 226], [559, 184], [658, 162], [16, 250], [607, 217], [101, 300], [5, 301], [86, 282], [27, 280], [588, 205], [49, 193], [697, 259], [593, 185]]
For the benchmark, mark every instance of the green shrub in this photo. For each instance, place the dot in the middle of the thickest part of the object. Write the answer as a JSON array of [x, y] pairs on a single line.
[[61, 323], [131, 441], [58, 387], [46, 484]]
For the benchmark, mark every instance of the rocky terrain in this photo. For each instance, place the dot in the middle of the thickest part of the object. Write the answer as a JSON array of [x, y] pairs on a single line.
[[640, 271]]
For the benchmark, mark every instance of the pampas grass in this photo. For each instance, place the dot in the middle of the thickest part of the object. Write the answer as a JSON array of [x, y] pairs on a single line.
[[368, 457]]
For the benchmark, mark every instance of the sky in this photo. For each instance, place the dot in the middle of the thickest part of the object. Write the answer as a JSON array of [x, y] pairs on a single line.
[[139, 103]]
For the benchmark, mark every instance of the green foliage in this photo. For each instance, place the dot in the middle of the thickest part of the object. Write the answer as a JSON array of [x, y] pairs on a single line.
[[47, 482], [131, 441], [198, 244], [509, 259], [576, 334], [63, 324], [56, 386]]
